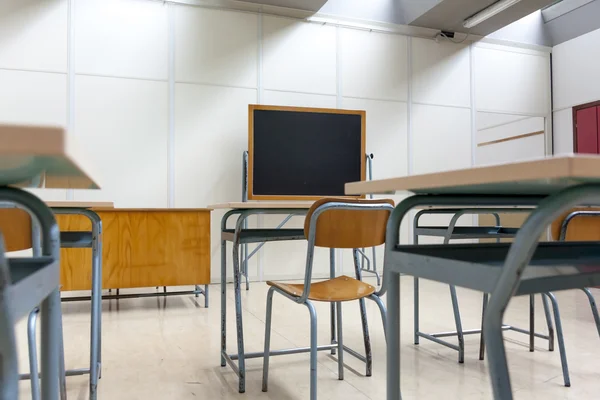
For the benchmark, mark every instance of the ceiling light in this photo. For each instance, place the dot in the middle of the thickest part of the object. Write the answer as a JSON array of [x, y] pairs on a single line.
[[488, 12]]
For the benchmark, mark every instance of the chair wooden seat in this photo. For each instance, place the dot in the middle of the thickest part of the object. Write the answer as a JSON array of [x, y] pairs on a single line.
[[341, 288]]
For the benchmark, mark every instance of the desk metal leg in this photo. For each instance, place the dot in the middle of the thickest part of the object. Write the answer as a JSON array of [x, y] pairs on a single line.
[[9, 373], [458, 323], [96, 307], [33, 362], [51, 327], [482, 336], [416, 310], [531, 323], [393, 337], [238, 315], [223, 301]]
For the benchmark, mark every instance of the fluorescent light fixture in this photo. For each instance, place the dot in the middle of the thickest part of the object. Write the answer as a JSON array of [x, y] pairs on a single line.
[[488, 12]]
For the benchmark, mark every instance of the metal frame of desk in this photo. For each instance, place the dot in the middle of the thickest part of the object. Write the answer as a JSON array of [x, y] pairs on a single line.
[[81, 240], [496, 268], [35, 280]]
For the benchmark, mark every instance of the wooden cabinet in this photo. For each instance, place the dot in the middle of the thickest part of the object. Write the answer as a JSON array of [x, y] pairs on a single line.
[[586, 121], [141, 248]]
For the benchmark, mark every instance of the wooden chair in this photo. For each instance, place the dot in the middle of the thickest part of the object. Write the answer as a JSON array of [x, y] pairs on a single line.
[[580, 224], [342, 224]]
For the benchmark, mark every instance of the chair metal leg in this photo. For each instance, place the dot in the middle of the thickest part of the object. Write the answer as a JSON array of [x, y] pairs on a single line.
[[458, 322], [561, 340], [313, 350], [265, 378], [383, 312], [33, 360], [363, 318], [340, 341], [548, 323], [416, 309], [332, 305], [592, 301], [482, 336]]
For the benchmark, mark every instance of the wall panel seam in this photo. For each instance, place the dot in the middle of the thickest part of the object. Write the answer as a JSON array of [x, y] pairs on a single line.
[[171, 101], [70, 77]]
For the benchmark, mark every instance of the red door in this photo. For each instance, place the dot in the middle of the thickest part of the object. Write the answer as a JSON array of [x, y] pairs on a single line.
[[587, 130]]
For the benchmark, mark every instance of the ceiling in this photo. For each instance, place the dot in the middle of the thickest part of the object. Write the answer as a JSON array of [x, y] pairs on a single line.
[[437, 14], [449, 15]]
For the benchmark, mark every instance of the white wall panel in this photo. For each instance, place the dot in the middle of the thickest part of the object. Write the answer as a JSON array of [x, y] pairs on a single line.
[[511, 82], [122, 125], [211, 132], [386, 135], [277, 98], [441, 73], [575, 66], [441, 138], [487, 120], [33, 34], [33, 97], [374, 65], [217, 47], [299, 56], [563, 131], [126, 38]]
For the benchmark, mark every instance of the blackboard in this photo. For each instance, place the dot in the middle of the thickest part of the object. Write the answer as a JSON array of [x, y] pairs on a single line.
[[304, 153]]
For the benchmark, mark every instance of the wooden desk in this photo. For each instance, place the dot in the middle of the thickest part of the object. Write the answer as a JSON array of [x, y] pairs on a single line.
[[142, 248], [553, 185]]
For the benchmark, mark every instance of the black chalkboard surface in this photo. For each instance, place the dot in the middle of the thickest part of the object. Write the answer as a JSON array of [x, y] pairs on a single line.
[[304, 153]]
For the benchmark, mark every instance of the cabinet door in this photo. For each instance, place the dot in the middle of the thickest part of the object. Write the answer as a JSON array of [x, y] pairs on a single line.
[[598, 128], [587, 130]]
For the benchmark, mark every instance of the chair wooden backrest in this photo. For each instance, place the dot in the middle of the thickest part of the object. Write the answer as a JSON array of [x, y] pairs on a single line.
[[349, 229], [581, 228], [15, 225]]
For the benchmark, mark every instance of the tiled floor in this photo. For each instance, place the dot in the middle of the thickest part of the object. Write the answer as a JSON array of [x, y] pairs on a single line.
[[157, 348]]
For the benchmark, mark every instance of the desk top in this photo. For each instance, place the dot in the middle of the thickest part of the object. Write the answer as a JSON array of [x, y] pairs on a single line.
[[536, 177], [43, 153], [80, 204], [244, 205]]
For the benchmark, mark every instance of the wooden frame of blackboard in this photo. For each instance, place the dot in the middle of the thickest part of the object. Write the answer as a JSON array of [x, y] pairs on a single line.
[[252, 107]]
